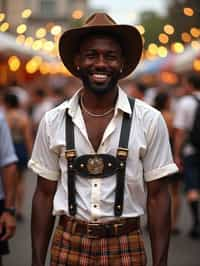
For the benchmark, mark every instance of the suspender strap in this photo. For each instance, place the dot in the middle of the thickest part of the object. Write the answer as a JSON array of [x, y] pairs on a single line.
[[70, 155], [122, 154]]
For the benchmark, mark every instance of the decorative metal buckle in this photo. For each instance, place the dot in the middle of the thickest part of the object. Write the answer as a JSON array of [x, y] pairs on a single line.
[[90, 228], [70, 154], [95, 165], [116, 228], [122, 152]]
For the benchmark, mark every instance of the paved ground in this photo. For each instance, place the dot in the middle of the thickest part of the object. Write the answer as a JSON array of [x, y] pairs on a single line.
[[183, 250]]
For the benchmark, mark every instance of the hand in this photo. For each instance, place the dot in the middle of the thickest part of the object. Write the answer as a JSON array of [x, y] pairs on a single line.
[[179, 163], [7, 223]]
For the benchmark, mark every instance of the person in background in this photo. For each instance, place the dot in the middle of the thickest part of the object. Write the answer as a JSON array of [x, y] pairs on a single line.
[[136, 89], [22, 136], [162, 102], [187, 155], [41, 103], [8, 181], [89, 174]]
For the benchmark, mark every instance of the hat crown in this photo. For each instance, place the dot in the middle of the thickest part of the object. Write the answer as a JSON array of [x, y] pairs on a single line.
[[99, 19]]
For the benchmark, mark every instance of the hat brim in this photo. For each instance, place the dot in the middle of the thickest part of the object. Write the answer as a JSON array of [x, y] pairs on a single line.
[[129, 38]]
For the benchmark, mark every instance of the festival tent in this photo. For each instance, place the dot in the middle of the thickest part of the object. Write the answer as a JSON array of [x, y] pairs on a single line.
[[184, 62], [8, 45]]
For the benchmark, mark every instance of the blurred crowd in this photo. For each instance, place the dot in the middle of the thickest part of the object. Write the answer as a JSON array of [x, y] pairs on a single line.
[[24, 105]]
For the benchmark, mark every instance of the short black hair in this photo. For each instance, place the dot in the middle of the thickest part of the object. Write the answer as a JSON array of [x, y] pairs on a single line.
[[11, 100], [194, 80], [141, 87], [160, 100]]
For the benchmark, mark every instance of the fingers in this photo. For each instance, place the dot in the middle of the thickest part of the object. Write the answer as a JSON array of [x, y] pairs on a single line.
[[8, 232], [7, 226]]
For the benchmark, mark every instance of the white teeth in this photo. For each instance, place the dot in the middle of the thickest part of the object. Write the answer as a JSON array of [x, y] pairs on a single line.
[[100, 76]]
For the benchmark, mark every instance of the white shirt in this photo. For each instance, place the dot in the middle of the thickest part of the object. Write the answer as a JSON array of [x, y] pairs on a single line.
[[149, 158], [184, 117], [7, 153]]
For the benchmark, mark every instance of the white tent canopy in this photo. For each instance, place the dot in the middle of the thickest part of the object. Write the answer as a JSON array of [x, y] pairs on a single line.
[[184, 61], [8, 43]]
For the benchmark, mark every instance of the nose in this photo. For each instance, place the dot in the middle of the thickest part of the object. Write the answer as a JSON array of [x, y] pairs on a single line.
[[100, 61]]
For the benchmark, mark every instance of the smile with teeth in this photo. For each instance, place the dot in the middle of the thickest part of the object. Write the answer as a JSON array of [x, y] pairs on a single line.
[[100, 77]]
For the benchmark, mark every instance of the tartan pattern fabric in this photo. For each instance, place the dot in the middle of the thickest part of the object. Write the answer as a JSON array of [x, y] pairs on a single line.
[[76, 250]]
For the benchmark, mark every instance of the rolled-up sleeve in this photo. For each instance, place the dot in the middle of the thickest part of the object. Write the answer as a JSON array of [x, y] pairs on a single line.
[[7, 153], [158, 161], [44, 161]]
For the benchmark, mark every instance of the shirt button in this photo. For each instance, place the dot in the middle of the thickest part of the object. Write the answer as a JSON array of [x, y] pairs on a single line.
[[95, 185], [94, 205]]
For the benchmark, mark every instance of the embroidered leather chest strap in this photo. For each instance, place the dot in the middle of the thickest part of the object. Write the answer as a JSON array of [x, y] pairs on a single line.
[[122, 154], [70, 155]]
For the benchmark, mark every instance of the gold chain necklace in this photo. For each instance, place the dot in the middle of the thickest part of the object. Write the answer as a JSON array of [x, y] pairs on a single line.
[[93, 114]]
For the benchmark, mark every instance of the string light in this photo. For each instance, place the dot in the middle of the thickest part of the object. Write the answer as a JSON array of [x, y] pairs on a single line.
[[163, 38], [195, 32], [186, 37], [2, 16], [162, 51], [77, 14], [177, 47], [153, 49], [21, 28], [188, 11], [169, 29], [20, 39], [40, 33], [14, 63], [26, 13], [196, 64], [55, 30], [4, 27]]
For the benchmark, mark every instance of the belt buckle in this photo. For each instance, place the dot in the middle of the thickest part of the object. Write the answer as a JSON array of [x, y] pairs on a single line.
[[90, 228], [116, 228]]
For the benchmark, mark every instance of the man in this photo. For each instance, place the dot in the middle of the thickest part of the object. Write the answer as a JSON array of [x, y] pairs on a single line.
[[7, 187], [87, 172], [186, 153]]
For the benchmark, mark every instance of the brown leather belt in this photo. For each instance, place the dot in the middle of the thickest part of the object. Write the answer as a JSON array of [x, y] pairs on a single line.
[[113, 228]]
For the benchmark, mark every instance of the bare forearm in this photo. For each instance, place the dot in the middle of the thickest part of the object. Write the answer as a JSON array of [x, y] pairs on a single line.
[[180, 137], [9, 184], [159, 219], [41, 227]]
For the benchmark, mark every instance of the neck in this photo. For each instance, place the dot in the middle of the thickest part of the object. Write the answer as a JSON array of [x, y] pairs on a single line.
[[97, 102]]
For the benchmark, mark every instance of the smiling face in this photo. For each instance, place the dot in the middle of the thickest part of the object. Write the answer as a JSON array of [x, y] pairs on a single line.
[[100, 61]]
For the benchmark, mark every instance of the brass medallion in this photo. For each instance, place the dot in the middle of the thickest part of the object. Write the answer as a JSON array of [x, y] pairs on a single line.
[[95, 165]]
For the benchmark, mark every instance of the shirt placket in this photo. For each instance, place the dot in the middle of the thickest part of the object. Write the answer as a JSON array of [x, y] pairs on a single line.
[[96, 184]]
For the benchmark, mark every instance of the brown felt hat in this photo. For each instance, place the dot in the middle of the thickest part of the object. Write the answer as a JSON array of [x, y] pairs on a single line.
[[128, 36]]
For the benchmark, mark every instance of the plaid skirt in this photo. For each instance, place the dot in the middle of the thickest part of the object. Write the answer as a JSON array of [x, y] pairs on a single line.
[[77, 250]]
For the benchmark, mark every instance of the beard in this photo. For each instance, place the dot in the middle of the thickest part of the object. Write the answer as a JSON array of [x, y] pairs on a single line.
[[99, 88]]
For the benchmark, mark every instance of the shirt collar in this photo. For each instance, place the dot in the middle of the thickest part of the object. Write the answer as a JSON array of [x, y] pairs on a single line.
[[121, 104]]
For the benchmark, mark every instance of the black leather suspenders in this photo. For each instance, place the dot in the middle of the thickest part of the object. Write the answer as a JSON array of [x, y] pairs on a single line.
[[70, 155], [122, 154]]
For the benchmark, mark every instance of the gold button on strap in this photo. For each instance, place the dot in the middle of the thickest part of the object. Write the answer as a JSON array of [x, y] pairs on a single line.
[[122, 152], [70, 154]]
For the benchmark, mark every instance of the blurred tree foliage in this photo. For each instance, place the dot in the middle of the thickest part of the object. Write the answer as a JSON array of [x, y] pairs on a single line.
[[153, 23], [181, 22]]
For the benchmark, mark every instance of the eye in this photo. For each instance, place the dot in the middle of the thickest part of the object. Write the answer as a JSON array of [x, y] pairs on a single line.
[[89, 55], [111, 56]]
